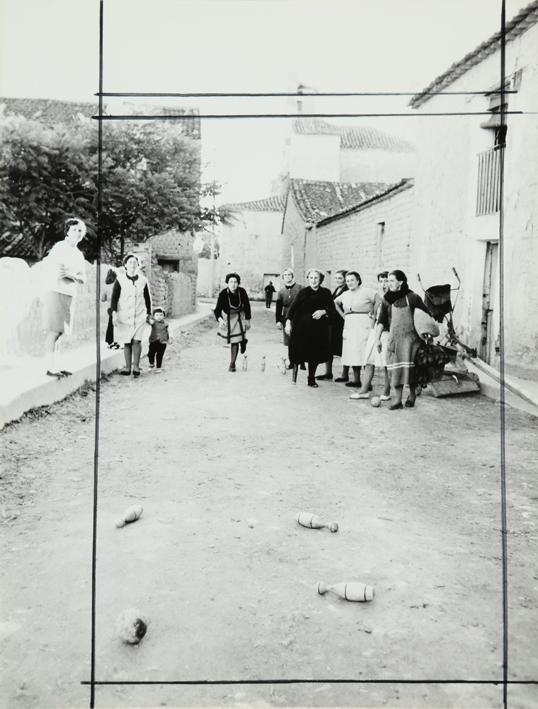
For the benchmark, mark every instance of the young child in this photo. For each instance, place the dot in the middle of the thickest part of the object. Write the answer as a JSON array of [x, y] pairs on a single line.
[[158, 339]]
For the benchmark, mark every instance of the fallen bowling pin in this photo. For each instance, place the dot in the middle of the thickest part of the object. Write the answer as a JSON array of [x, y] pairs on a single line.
[[131, 514], [131, 626], [312, 521], [353, 591]]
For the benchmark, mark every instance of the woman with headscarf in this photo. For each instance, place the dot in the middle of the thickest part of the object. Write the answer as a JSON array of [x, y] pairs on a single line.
[[354, 307], [337, 329], [233, 314], [131, 311], [307, 325], [396, 313]]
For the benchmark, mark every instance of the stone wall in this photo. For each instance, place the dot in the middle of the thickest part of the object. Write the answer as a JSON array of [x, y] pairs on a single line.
[[21, 322], [294, 239], [251, 246], [353, 242], [447, 231]]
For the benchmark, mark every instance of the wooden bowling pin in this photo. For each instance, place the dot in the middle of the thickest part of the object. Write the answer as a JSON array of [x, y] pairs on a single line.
[[283, 366], [131, 514], [353, 591], [245, 363], [312, 521], [263, 364]]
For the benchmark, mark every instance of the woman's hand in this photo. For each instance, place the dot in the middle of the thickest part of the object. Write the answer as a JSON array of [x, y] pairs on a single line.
[[319, 314], [114, 318], [247, 324], [220, 320], [279, 325], [379, 346], [287, 327]]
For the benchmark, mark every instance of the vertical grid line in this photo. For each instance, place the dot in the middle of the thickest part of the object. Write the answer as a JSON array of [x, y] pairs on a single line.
[[98, 355], [502, 147]]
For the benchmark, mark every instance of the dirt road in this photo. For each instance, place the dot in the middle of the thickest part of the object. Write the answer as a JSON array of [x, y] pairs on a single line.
[[222, 463]]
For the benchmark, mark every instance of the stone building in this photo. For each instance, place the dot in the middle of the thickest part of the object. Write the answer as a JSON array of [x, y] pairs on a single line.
[[251, 244], [368, 237], [318, 150], [310, 201], [171, 267], [457, 193]]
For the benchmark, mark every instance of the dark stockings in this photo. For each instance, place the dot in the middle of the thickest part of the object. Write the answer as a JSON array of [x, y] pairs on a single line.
[[312, 366], [357, 375], [127, 353], [233, 353]]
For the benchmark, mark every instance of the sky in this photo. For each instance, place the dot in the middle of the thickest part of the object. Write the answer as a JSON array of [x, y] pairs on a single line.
[[49, 49]]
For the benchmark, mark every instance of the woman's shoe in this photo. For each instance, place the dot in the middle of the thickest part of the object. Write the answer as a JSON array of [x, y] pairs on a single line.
[[125, 372], [409, 403], [385, 397], [231, 368], [136, 372], [355, 385], [312, 383], [341, 379], [393, 407], [324, 377]]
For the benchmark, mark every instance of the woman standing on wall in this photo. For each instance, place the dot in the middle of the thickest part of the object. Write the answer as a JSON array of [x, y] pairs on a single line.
[[396, 313], [308, 326], [233, 314], [131, 310], [337, 329], [354, 306]]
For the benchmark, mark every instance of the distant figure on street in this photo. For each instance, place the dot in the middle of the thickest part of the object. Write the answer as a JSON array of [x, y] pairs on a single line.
[[106, 297], [396, 314], [307, 324], [158, 339], [286, 296], [66, 268], [233, 314], [354, 306], [131, 312], [269, 290], [337, 328]]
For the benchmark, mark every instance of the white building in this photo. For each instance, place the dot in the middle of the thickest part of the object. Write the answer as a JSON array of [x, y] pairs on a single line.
[[457, 189]]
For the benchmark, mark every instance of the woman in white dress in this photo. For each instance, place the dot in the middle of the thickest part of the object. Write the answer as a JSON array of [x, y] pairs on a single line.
[[355, 305]]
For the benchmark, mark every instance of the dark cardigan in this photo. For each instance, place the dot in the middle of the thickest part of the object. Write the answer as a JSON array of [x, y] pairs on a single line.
[[226, 297]]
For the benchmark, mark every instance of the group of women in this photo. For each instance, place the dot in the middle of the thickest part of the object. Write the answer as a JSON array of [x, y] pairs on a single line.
[[366, 328]]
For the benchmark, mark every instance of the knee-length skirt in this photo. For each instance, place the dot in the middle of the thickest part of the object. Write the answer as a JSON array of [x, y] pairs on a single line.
[[401, 353], [56, 311], [233, 330]]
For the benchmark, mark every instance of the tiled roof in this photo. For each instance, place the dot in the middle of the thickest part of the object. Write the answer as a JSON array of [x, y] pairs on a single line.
[[354, 137], [388, 191], [53, 111], [317, 200], [524, 20], [17, 246], [269, 204]]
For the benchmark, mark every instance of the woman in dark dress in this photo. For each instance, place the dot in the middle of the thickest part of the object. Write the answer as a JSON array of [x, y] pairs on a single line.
[[233, 315], [337, 329], [308, 326], [396, 314]]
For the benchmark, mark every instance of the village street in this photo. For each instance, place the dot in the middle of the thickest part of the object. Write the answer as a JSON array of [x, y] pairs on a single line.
[[222, 463]]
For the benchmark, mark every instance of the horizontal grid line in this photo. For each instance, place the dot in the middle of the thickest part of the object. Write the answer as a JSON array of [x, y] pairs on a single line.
[[311, 681], [197, 116], [283, 94]]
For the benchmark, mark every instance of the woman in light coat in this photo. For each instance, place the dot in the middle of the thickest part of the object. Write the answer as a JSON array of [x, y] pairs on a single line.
[[131, 310]]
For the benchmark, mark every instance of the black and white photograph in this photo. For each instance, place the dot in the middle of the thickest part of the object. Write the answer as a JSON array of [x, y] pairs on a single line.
[[268, 354]]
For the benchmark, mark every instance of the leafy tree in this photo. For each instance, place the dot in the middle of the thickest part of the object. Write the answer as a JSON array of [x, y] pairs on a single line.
[[151, 182], [45, 176]]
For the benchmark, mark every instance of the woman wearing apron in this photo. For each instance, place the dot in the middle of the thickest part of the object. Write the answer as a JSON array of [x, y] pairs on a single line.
[[233, 315], [354, 306], [396, 313]]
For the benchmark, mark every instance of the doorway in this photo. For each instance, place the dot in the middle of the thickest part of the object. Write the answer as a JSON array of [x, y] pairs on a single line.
[[489, 344]]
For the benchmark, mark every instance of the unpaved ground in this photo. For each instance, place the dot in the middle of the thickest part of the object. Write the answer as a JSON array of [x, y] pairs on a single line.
[[222, 463]]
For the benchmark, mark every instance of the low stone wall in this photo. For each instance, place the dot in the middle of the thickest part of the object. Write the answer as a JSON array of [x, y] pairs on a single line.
[[21, 293]]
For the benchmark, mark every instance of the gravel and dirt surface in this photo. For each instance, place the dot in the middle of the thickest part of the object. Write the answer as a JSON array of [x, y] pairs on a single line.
[[222, 463]]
